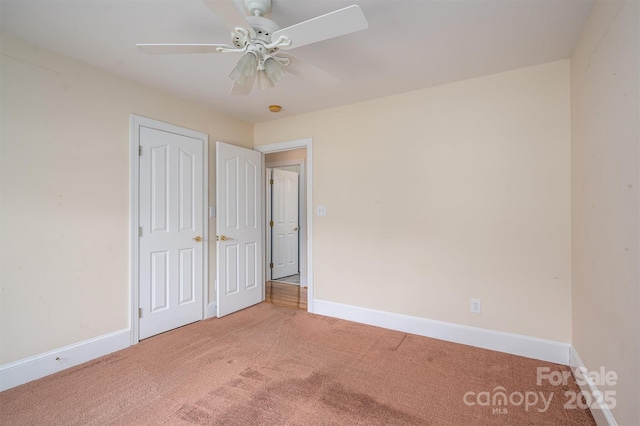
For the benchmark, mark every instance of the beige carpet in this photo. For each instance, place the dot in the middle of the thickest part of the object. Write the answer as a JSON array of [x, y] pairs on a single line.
[[277, 366]]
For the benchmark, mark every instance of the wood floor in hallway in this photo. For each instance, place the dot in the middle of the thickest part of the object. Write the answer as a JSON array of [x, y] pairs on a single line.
[[284, 294]]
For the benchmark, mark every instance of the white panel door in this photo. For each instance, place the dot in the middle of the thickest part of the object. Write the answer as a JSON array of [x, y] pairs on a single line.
[[285, 229], [239, 181], [171, 229]]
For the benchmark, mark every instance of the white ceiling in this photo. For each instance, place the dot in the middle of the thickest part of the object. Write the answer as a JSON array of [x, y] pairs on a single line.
[[410, 44]]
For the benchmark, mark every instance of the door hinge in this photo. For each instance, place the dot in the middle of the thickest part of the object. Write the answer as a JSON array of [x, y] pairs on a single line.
[[139, 312], [271, 223], [271, 265], [140, 231], [139, 150], [270, 181]]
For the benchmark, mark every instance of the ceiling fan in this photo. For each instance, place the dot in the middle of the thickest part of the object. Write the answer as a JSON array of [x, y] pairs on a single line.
[[262, 42]]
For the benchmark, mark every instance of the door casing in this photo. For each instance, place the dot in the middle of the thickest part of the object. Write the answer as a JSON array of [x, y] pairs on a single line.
[[287, 146], [135, 122]]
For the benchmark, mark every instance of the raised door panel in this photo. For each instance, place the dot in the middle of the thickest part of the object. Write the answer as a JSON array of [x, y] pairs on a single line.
[[232, 275], [159, 181], [232, 196], [251, 196], [251, 265], [187, 279], [187, 197], [159, 281]]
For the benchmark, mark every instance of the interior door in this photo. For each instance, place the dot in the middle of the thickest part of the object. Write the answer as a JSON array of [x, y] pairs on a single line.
[[285, 229], [171, 228], [239, 184]]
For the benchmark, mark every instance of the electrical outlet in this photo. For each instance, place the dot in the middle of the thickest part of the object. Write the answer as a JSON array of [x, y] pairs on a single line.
[[321, 210], [475, 306]]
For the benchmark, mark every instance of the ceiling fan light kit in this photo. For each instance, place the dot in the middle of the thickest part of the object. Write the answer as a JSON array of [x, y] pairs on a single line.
[[264, 82], [273, 68], [260, 40], [246, 68]]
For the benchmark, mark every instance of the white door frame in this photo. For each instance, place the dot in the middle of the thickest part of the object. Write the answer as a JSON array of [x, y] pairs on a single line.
[[287, 146], [135, 122], [302, 214]]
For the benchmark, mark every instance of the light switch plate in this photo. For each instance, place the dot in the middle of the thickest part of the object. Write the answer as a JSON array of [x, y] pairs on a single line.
[[321, 210]]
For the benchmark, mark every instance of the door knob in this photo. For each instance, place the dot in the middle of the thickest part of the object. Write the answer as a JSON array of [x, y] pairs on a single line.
[[296, 228], [223, 238], [197, 239]]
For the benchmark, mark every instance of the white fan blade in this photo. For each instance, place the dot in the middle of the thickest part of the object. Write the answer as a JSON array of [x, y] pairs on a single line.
[[334, 24], [240, 90], [229, 14], [163, 49], [310, 73]]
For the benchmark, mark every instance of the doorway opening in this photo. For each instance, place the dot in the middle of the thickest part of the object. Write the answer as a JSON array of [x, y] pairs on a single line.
[[286, 228], [288, 274]]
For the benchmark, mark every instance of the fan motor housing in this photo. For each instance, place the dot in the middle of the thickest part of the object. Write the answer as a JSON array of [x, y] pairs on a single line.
[[262, 26]]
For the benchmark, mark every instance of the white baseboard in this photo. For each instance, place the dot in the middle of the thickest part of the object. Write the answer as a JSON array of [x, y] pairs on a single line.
[[211, 310], [601, 415], [516, 344], [32, 368]]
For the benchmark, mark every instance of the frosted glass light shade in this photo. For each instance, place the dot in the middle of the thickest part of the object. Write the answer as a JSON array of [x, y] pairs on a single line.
[[264, 82], [245, 68], [274, 69]]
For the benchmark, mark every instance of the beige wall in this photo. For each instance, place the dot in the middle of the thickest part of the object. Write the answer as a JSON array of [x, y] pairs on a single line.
[[444, 194], [605, 183], [65, 189], [293, 154]]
